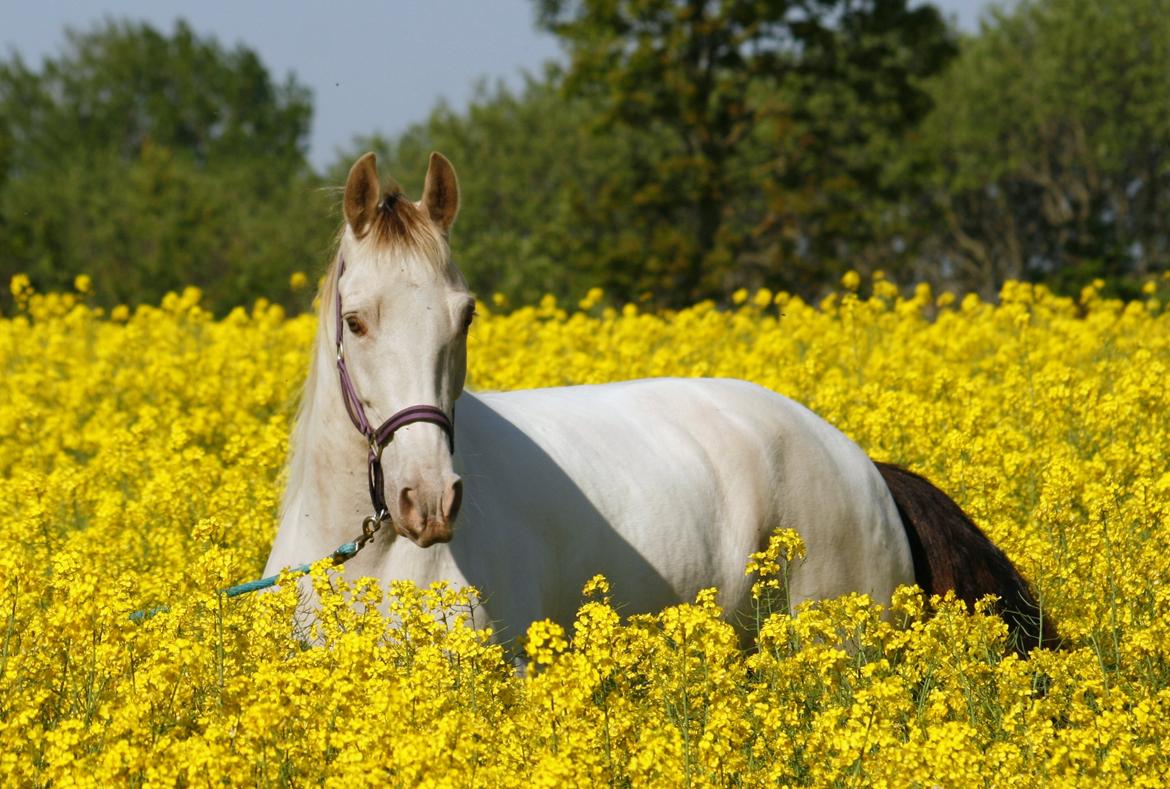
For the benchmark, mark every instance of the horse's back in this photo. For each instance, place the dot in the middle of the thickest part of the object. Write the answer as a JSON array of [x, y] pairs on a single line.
[[666, 486]]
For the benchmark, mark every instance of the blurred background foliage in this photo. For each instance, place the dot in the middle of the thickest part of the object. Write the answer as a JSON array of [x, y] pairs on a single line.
[[685, 149]]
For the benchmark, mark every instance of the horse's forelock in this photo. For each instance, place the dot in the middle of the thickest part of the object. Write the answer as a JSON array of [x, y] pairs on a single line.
[[401, 226]]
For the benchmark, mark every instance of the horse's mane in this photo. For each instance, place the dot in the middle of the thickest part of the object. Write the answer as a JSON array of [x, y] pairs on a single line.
[[296, 464]]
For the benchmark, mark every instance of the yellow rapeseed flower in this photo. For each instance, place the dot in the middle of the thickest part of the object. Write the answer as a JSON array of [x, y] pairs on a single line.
[[142, 456], [19, 284]]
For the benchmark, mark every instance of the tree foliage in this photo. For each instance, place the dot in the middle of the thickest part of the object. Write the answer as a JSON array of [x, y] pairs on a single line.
[[687, 148], [773, 124], [840, 191], [151, 162], [1052, 139]]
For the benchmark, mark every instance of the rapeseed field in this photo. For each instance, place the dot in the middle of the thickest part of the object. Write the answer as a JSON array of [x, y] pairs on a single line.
[[142, 449]]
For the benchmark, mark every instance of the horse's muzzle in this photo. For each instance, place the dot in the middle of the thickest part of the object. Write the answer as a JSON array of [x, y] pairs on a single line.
[[427, 520]]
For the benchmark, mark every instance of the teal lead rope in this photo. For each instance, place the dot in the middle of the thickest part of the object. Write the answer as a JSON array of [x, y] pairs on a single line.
[[343, 554]]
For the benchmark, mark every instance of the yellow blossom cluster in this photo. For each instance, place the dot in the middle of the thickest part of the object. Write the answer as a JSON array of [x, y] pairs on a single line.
[[141, 451]]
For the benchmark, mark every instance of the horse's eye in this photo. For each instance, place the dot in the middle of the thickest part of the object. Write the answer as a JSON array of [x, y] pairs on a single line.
[[468, 317], [355, 325]]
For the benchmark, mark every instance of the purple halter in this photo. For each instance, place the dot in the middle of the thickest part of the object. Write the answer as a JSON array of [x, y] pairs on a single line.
[[382, 435]]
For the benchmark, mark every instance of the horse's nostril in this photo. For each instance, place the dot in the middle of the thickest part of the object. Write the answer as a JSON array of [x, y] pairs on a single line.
[[407, 504], [452, 499]]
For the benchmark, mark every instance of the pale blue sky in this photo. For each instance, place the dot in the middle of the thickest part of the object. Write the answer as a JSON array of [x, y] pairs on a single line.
[[372, 66]]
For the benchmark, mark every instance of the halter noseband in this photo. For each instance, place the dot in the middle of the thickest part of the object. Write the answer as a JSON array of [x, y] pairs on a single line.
[[382, 435]]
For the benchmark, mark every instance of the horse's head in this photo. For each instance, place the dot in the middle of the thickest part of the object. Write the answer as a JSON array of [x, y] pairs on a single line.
[[405, 312]]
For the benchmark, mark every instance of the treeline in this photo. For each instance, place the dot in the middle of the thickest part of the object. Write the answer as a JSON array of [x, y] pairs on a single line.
[[684, 150], [152, 161]]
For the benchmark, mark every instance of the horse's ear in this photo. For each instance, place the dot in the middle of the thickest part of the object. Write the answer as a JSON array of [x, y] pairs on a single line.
[[363, 191], [440, 195]]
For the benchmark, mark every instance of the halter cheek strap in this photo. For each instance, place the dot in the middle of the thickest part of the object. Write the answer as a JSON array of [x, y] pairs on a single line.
[[382, 435]]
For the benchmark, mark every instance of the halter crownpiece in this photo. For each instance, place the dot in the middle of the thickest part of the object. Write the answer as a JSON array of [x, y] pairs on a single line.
[[382, 435]]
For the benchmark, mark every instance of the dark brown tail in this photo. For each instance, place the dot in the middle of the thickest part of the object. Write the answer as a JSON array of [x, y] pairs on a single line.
[[950, 552]]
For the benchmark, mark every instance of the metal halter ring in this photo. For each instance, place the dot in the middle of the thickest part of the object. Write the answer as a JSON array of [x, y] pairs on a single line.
[[370, 526]]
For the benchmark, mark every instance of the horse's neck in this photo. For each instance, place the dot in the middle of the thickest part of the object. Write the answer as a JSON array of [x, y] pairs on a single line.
[[327, 495]]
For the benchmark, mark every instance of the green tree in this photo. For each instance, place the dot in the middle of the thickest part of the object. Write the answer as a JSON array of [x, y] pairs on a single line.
[[1053, 135], [124, 85], [764, 127], [840, 190], [151, 161]]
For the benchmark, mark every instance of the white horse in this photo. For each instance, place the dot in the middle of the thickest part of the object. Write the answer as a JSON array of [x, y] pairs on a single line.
[[665, 486]]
